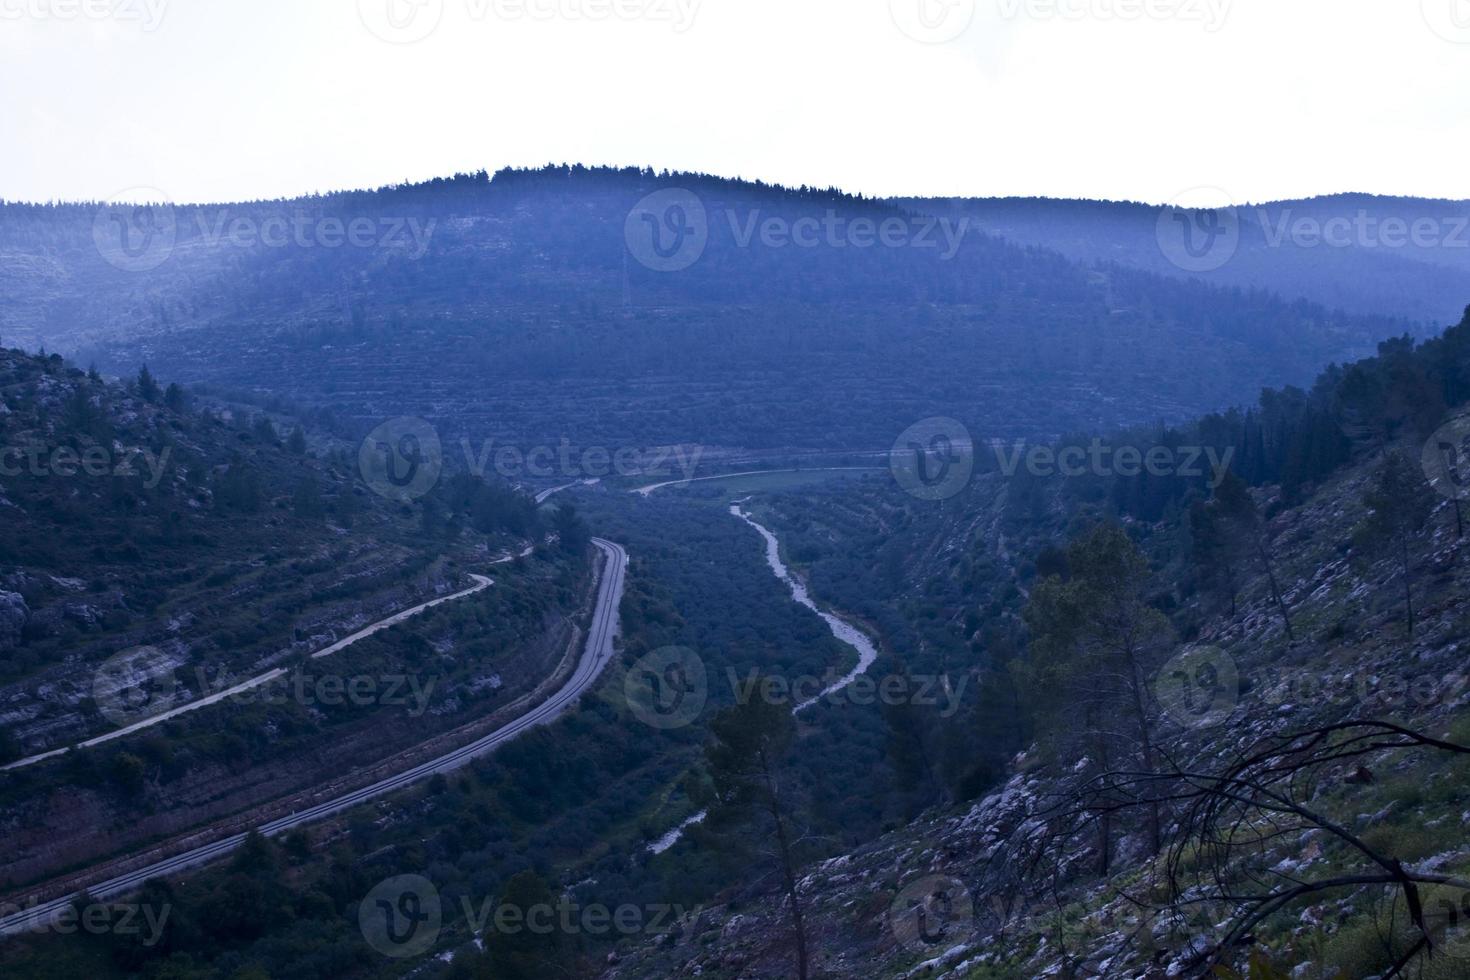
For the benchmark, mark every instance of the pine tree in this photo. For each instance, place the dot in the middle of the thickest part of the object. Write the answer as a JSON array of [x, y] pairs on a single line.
[[527, 950], [1399, 503], [745, 764], [148, 389], [1236, 511], [1096, 647], [910, 741]]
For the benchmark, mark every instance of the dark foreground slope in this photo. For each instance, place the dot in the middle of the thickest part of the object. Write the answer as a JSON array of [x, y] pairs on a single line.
[[157, 549], [1336, 847]]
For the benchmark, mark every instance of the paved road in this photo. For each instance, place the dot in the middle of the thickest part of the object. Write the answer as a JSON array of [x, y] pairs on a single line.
[[596, 655], [481, 584], [645, 491], [546, 495]]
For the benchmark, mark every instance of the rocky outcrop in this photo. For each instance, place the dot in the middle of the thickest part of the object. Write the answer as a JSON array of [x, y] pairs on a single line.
[[13, 616]]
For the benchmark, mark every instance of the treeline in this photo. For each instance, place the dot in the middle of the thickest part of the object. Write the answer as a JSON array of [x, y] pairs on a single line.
[[1293, 438], [948, 586]]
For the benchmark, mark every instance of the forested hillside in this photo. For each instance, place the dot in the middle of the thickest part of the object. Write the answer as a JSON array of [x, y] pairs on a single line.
[[161, 547], [1206, 714], [535, 305]]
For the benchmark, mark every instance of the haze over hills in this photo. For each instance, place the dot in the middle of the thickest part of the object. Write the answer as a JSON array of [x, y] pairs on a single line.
[[539, 304], [1364, 253], [992, 507]]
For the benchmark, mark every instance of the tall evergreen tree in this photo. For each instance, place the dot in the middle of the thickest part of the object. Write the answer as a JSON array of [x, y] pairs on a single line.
[[1241, 530], [1399, 503], [746, 762], [1096, 647], [148, 388]]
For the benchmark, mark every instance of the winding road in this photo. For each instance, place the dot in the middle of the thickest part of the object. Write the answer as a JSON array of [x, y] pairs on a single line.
[[482, 583], [645, 491], [596, 655]]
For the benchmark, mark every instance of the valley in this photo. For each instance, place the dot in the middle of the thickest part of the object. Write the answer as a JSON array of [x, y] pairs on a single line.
[[1031, 606]]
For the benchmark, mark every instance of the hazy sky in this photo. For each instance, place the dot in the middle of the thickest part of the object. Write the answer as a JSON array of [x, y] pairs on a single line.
[[1129, 99]]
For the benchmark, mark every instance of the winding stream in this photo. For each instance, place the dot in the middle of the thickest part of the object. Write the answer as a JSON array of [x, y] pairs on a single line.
[[841, 628]]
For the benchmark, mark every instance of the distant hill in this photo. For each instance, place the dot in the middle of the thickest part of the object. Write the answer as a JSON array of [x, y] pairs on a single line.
[[536, 306], [1362, 253]]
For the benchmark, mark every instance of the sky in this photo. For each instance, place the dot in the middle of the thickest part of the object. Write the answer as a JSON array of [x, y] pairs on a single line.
[[1202, 101]]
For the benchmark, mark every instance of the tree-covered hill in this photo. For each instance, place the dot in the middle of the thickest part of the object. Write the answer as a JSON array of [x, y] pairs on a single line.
[[536, 305]]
